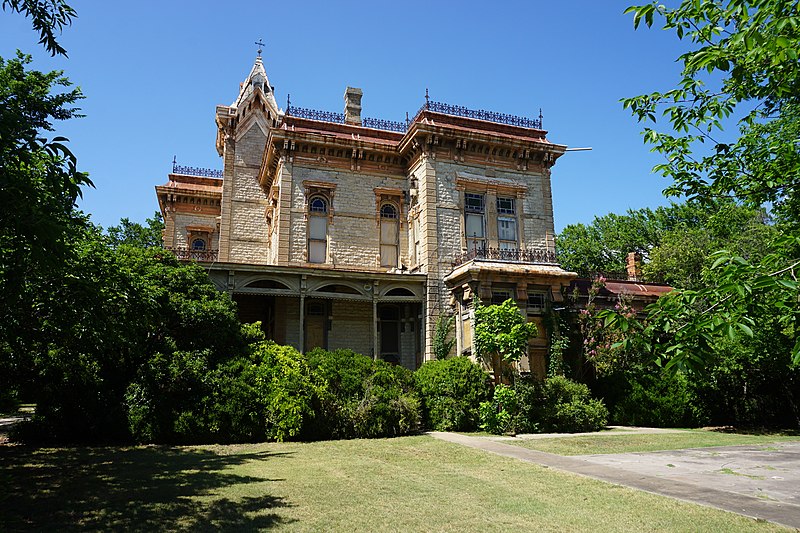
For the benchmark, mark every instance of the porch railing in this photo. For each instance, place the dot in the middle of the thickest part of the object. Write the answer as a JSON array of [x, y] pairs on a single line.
[[187, 254], [515, 255]]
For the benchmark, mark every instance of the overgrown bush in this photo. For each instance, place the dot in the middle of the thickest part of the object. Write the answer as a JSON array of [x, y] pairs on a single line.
[[165, 402], [559, 404], [359, 397], [389, 407], [501, 414], [451, 391], [656, 399]]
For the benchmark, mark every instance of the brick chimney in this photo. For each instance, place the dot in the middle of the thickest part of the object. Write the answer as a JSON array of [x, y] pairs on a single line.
[[352, 105], [633, 264]]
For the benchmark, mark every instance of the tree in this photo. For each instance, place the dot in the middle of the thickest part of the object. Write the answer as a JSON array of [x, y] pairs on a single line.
[[48, 17], [39, 186], [501, 335], [135, 234], [743, 65]]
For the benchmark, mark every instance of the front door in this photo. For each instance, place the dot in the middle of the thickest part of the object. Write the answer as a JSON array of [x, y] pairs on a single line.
[[316, 320], [389, 316]]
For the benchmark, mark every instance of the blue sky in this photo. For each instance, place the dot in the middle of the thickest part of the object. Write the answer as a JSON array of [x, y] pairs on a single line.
[[152, 73]]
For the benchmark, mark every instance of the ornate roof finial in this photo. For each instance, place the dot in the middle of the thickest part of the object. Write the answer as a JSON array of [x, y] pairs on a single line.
[[260, 44], [427, 99], [540, 119], [288, 101]]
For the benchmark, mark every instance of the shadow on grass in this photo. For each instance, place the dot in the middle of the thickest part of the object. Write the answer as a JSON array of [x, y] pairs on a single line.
[[133, 489]]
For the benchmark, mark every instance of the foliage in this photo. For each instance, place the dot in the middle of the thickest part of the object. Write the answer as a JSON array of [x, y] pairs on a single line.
[[341, 374], [389, 407], [360, 397], [40, 184], [501, 415], [136, 234], [116, 317], [501, 334], [559, 404], [451, 391], [559, 344], [656, 399], [442, 345], [47, 17], [744, 65]]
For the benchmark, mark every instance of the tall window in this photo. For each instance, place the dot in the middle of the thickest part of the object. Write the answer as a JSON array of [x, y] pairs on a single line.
[[389, 235], [474, 209], [317, 229], [507, 223]]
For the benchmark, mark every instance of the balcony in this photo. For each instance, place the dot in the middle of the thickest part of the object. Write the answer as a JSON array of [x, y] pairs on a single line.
[[515, 255], [201, 256]]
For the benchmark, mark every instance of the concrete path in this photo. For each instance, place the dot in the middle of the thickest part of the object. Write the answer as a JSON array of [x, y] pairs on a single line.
[[756, 481]]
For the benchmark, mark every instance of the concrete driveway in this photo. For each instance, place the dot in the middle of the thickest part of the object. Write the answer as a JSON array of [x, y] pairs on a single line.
[[757, 481], [768, 472]]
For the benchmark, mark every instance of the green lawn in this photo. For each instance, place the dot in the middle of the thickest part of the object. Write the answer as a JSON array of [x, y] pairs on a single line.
[[599, 443], [405, 484]]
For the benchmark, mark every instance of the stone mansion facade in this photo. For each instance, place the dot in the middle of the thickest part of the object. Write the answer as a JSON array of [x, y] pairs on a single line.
[[340, 231]]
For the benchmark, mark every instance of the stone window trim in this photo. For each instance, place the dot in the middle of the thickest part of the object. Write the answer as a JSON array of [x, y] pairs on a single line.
[[321, 189], [476, 184], [199, 233], [387, 195]]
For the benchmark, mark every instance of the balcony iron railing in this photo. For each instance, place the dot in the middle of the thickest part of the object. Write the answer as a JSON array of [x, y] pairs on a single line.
[[436, 107], [516, 255], [201, 256], [196, 171]]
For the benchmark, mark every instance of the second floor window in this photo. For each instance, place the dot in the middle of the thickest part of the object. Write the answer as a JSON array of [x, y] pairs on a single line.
[[389, 235], [198, 245], [474, 209], [507, 223], [317, 229]]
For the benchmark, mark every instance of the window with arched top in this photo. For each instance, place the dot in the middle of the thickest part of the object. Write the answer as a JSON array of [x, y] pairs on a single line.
[[390, 234], [317, 229], [198, 244]]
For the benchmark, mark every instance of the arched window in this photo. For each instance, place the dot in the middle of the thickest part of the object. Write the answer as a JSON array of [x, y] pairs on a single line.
[[317, 229], [198, 244], [389, 235]]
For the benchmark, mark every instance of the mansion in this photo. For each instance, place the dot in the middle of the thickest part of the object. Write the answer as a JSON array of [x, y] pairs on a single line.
[[341, 231]]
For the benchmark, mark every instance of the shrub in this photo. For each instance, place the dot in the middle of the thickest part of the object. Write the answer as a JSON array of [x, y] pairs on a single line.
[[501, 415], [559, 404], [451, 391], [657, 400], [165, 402], [389, 406], [359, 397], [340, 375]]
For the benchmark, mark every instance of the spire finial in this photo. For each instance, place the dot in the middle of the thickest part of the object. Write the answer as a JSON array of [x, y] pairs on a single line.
[[260, 44], [540, 118], [288, 101], [427, 99]]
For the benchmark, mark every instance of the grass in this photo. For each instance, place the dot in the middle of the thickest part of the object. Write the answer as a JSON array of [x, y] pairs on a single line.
[[404, 484], [600, 444]]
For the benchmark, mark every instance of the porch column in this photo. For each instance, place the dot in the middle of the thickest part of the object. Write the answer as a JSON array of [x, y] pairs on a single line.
[[374, 328], [303, 286], [302, 322]]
